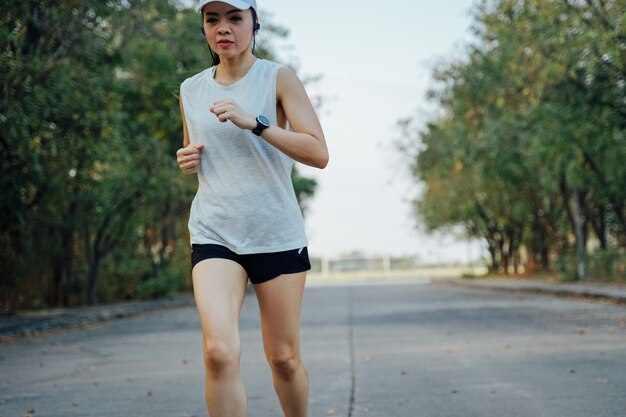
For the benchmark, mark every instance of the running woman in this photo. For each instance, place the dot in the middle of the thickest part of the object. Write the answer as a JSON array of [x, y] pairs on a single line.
[[245, 121]]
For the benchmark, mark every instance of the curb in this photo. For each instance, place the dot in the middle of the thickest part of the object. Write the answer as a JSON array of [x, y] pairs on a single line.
[[36, 323], [602, 292]]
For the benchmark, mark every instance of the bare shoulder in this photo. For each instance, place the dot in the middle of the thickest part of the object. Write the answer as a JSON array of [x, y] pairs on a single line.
[[288, 81], [287, 73]]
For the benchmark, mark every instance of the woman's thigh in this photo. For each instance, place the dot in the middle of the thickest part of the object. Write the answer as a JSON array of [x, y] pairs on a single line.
[[219, 287], [280, 304]]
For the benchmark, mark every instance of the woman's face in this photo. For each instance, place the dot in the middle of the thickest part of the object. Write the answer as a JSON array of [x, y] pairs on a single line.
[[228, 29]]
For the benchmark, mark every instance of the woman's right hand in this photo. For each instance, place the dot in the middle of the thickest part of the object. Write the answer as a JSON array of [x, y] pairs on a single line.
[[189, 158]]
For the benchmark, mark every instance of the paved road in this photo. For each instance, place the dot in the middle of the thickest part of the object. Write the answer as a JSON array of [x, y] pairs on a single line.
[[372, 350]]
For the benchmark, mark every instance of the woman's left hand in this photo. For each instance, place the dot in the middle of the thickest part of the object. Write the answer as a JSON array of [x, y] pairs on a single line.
[[229, 110]]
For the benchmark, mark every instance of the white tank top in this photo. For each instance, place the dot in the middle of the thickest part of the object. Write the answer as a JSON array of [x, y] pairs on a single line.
[[245, 198]]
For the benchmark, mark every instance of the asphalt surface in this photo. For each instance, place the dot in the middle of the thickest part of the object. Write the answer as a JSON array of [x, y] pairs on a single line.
[[405, 349]]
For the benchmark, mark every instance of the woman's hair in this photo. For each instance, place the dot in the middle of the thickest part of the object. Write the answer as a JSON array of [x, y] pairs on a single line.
[[215, 57]]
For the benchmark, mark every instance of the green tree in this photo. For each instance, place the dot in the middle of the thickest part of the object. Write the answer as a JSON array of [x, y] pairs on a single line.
[[56, 85], [535, 111], [94, 206]]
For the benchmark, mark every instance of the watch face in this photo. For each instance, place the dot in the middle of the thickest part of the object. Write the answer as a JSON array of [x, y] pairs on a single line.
[[264, 120]]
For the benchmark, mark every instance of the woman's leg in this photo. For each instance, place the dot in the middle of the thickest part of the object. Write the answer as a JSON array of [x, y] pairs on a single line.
[[280, 301], [219, 287]]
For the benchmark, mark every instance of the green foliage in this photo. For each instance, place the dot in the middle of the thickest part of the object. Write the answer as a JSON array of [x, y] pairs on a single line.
[[602, 265], [608, 264], [304, 188], [166, 283], [94, 205], [536, 108]]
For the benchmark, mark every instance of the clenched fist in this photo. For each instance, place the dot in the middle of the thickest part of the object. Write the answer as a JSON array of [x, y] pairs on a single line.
[[189, 158], [227, 109]]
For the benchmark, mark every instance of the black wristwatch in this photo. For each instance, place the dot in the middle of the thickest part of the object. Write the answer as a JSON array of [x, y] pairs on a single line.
[[262, 123]]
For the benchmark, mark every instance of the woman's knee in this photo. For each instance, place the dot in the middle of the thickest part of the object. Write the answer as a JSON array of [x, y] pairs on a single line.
[[285, 364], [221, 355]]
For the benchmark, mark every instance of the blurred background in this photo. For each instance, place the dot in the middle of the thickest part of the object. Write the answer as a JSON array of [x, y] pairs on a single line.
[[468, 137]]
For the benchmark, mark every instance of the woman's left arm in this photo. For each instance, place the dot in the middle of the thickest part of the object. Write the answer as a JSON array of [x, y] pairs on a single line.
[[306, 142]]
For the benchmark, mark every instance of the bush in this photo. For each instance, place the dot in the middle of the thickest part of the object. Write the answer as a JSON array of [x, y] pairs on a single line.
[[607, 264], [567, 267], [168, 282], [602, 265]]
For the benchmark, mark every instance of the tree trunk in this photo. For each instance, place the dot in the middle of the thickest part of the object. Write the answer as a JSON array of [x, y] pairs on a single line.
[[618, 209], [94, 268], [545, 257], [599, 226], [565, 194], [54, 297], [491, 247], [580, 238], [500, 247]]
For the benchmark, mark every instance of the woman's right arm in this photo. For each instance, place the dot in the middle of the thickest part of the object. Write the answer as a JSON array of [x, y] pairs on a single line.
[[188, 157], [182, 114]]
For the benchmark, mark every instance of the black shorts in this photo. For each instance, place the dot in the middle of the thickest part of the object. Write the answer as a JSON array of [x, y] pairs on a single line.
[[260, 267]]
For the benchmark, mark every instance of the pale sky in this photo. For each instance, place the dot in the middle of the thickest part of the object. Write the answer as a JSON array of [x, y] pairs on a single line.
[[376, 60]]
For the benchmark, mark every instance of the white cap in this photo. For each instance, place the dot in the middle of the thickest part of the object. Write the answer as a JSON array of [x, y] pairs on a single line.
[[240, 4]]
